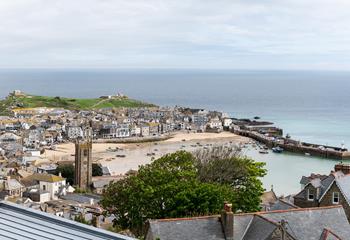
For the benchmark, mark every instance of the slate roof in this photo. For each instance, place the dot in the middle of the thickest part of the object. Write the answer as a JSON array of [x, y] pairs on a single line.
[[344, 185], [329, 235], [259, 228], [309, 223], [302, 224], [81, 198], [282, 205], [268, 198], [19, 223], [200, 228]]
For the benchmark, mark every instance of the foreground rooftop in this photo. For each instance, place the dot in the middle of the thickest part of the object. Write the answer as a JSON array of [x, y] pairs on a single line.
[[300, 224], [20, 223]]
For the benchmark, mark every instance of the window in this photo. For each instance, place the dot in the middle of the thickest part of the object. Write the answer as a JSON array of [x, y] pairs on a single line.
[[44, 188], [335, 198], [310, 195]]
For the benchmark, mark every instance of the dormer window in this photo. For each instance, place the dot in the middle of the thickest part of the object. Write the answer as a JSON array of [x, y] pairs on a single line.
[[310, 195], [335, 198]]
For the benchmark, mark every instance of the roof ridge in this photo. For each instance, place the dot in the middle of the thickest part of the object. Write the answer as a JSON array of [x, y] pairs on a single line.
[[290, 210], [244, 214], [327, 231], [184, 218], [288, 203]]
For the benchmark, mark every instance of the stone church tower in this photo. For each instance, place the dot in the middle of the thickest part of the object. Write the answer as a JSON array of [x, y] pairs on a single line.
[[83, 160]]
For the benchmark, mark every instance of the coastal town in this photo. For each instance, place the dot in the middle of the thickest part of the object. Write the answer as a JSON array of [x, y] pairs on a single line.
[[38, 144]]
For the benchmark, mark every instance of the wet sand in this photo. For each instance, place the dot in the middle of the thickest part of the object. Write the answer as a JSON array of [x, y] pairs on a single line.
[[143, 153]]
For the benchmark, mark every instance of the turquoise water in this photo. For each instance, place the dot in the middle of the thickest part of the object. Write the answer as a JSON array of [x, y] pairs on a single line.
[[310, 106]]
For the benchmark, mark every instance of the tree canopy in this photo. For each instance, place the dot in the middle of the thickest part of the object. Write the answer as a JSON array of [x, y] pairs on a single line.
[[179, 185], [227, 166], [67, 171]]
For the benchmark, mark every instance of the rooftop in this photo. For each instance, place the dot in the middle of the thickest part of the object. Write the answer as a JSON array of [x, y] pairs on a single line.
[[302, 223], [21, 223]]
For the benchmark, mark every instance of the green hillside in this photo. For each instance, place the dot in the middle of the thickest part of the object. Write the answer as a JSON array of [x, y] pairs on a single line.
[[30, 101]]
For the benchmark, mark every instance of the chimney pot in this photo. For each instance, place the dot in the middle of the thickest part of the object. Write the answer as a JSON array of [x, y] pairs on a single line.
[[227, 221]]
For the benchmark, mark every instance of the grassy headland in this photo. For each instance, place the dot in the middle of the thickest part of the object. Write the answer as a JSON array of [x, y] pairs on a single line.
[[31, 101]]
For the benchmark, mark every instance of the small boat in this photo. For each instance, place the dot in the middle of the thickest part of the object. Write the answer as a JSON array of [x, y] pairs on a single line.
[[184, 140], [256, 117], [120, 155], [263, 152], [150, 154], [277, 149], [307, 154]]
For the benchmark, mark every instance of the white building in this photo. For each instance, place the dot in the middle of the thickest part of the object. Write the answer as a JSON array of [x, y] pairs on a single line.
[[227, 122], [55, 185]]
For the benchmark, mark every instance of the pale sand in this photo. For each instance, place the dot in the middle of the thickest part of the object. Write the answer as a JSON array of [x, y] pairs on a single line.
[[178, 137], [136, 154]]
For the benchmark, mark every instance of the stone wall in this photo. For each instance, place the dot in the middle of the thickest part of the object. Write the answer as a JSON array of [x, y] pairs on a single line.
[[327, 200]]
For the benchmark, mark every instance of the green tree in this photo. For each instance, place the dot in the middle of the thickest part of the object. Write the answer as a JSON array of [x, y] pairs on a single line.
[[168, 187], [67, 171], [96, 170], [227, 166]]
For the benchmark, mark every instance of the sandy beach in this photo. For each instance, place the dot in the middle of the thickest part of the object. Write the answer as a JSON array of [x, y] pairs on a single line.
[[143, 153]]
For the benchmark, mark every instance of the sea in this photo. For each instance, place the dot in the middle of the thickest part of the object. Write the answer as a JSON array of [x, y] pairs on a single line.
[[311, 106]]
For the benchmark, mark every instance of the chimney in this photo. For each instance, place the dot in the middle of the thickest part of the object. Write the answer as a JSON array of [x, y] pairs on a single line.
[[96, 221], [345, 168], [60, 174], [227, 221]]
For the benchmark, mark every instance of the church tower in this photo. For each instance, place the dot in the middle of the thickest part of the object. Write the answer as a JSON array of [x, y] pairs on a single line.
[[83, 160]]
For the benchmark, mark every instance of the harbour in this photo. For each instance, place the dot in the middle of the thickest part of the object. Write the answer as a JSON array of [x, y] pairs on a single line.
[[273, 138]]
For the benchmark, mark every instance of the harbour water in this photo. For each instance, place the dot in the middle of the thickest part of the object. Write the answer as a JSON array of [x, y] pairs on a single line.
[[310, 106]]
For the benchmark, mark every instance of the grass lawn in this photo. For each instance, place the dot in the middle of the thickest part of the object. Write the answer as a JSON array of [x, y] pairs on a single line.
[[68, 103]]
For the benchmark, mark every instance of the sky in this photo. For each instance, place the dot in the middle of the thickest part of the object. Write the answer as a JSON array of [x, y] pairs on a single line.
[[204, 34]]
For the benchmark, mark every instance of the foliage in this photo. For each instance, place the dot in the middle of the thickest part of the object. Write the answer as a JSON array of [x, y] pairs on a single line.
[[226, 166], [67, 171], [96, 170], [168, 187], [31, 101], [81, 219], [81, 190]]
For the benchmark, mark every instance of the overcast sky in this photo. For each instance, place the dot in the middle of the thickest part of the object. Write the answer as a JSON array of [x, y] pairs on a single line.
[[230, 34]]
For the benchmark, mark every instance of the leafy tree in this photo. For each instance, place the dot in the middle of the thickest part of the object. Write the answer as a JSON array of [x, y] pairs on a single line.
[[67, 171], [227, 166], [168, 187], [96, 170]]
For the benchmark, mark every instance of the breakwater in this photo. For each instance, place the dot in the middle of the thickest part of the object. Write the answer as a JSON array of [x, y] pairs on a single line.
[[294, 146]]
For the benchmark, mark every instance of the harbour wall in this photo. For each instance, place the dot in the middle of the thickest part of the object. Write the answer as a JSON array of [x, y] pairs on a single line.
[[294, 146]]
